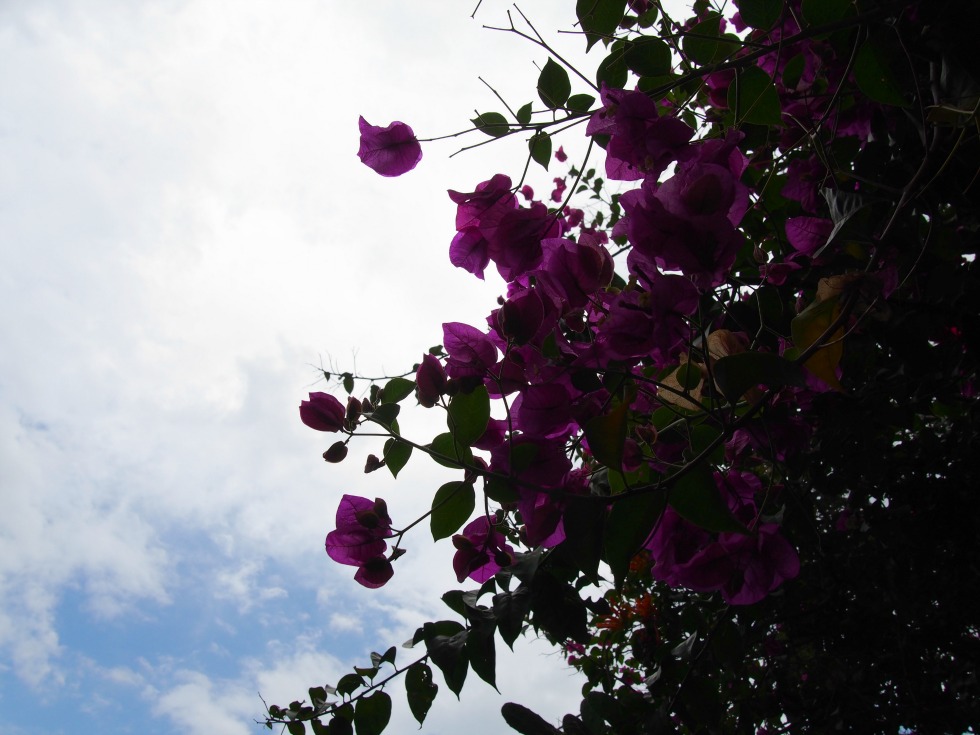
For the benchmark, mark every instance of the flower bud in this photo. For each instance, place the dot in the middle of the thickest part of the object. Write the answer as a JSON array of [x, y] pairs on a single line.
[[336, 453]]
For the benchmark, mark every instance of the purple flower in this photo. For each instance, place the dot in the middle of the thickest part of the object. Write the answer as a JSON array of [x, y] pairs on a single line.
[[322, 412], [642, 144], [359, 540], [430, 380], [390, 151], [470, 351], [479, 551]]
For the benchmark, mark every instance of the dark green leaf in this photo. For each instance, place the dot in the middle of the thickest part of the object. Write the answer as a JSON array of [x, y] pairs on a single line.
[[525, 721], [540, 147], [735, 374], [450, 453], [296, 728], [599, 19], [793, 71], [501, 490], [580, 102], [696, 498], [510, 609], [761, 14], [420, 689], [705, 44], [469, 414], [349, 683], [452, 505], [397, 389], [754, 98], [554, 85], [372, 713], [366, 671], [606, 435], [821, 12], [492, 123], [612, 70], [449, 654], [348, 382], [385, 414], [627, 527], [647, 57], [557, 609], [874, 75], [524, 114], [389, 657], [340, 726], [482, 655], [396, 455], [583, 521]]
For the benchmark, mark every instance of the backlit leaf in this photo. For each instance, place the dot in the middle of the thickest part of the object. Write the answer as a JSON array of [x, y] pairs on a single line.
[[452, 506], [554, 85]]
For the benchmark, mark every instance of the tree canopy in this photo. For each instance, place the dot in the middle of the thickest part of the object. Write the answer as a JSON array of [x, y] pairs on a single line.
[[717, 439]]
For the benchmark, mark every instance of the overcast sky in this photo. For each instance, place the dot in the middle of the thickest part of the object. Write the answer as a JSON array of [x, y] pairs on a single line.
[[186, 234]]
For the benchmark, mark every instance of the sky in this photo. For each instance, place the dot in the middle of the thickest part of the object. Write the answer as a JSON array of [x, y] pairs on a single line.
[[188, 239]]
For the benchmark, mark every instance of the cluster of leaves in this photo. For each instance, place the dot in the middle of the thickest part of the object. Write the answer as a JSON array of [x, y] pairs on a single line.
[[759, 426]]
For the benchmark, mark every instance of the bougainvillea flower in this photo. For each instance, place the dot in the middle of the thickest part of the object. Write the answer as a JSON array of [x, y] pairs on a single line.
[[642, 144], [543, 410], [484, 207], [515, 243], [808, 234], [469, 250], [572, 271], [762, 561], [323, 412], [374, 572], [470, 351], [390, 151], [430, 380], [362, 527], [480, 549]]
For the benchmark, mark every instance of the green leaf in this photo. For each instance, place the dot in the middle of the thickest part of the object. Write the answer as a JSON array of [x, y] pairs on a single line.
[[396, 455], [704, 43], [296, 727], [397, 389], [452, 505], [580, 102], [449, 654], [492, 123], [525, 721], [554, 85], [349, 683], [612, 70], [761, 14], [469, 414], [450, 453], [510, 609], [524, 114], [348, 382], [627, 527], [421, 690], [540, 148], [341, 725], [793, 71], [385, 414], [822, 12], [583, 521], [874, 76], [647, 57], [372, 713], [754, 98], [606, 435], [696, 498], [735, 374], [599, 19], [482, 655]]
